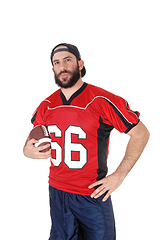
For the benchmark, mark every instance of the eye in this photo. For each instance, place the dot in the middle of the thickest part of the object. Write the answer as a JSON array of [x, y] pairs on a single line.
[[56, 63], [68, 60]]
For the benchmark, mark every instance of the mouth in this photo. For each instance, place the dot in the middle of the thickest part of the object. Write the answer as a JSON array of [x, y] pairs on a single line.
[[63, 75]]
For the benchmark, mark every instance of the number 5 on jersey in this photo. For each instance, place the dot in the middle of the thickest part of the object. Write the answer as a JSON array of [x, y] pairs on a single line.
[[69, 147]]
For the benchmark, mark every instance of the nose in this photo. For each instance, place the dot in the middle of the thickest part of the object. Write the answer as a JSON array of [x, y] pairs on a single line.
[[62, 68]]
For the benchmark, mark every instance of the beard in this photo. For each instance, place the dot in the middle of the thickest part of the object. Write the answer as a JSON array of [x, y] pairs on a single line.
[[69, 81]]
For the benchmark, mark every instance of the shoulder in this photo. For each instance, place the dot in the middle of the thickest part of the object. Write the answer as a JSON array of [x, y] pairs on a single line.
[[50, 99], [53, 96], [103, 94], [43, 106]]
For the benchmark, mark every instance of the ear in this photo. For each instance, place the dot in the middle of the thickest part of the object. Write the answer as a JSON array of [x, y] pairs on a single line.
[[53, 69], [81, 64]]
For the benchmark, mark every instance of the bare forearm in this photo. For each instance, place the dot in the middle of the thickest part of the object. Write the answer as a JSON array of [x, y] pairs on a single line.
[[139, 136], [134, 149]]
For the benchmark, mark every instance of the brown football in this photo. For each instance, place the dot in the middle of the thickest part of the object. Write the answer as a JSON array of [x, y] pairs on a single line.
[[41, 134]]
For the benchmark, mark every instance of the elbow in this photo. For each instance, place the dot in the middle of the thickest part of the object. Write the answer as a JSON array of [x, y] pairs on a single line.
[[140, 132], [146, 135], [143, 135]]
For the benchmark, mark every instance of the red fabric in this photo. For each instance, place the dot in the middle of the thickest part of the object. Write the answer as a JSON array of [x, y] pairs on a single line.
[[79, 130]]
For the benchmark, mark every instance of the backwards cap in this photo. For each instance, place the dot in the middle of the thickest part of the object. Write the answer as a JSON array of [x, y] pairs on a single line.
[[70, 48]]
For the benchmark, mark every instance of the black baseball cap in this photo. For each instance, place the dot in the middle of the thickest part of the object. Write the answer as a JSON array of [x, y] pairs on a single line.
[[70, 48]]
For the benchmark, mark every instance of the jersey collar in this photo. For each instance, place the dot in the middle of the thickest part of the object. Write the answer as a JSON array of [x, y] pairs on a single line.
[[78, 92]]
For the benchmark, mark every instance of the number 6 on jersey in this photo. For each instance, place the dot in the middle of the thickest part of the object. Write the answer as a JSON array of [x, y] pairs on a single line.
[[69, 147]]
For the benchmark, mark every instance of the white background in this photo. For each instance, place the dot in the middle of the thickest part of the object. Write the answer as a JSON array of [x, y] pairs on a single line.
[[123, 44]]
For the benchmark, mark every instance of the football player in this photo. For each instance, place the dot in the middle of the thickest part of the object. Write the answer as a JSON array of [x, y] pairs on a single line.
[[80, 118]]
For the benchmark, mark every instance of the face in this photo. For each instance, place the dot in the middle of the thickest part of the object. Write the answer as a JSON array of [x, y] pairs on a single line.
[[66, 69]]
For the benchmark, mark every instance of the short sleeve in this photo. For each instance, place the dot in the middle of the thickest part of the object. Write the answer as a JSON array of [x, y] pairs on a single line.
[[38, 116], [117, 113]]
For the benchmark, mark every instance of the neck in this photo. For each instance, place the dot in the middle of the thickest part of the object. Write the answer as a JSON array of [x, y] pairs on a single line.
[[68, 92]]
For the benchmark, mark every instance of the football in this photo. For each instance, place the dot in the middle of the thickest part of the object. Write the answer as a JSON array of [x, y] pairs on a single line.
[[41, 134]]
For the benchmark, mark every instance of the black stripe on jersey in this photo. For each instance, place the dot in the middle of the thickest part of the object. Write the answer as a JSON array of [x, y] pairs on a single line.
[[125, 122], [80, 90], [103, 133], [131, 126], [135, 112], [120, 115], [34, 117]]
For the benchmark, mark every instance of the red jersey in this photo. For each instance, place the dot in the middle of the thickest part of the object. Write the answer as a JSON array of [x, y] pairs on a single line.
[[80, 130]]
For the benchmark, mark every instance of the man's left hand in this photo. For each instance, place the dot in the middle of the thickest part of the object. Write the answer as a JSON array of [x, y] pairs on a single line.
[[108, 184]]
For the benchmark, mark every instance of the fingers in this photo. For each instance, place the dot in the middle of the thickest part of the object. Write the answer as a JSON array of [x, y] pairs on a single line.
[[34, 152], [98, 192], [32, 141], [106, 196], [95, 184], [106, 186], [43, 155], [43, 147], [40, 154]]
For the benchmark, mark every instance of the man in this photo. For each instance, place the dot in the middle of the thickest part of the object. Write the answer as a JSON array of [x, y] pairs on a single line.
[[80, 118]]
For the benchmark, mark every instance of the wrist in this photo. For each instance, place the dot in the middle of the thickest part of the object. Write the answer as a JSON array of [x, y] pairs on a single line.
[[121, 174]]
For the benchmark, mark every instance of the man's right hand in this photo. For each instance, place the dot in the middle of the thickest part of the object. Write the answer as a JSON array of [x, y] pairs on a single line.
[[31, 151]]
